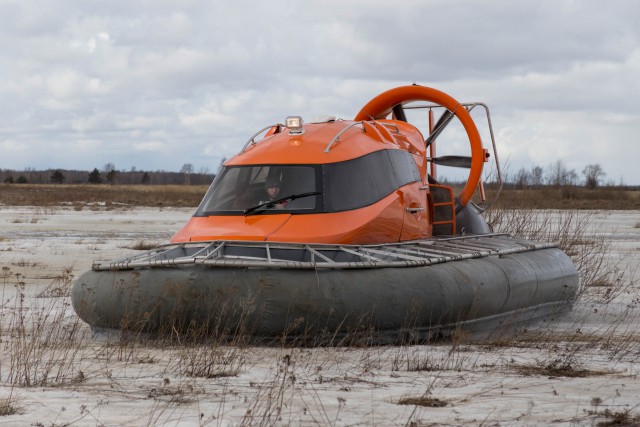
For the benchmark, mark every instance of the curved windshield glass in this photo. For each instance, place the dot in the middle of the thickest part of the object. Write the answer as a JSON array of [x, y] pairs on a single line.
[[240, 188], [299, 189]]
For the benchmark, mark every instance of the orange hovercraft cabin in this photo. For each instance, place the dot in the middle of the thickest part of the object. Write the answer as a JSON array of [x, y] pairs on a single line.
[[344, 182], [326, 229]]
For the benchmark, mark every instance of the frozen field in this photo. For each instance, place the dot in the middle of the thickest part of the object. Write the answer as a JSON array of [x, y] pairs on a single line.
[[581, 369]]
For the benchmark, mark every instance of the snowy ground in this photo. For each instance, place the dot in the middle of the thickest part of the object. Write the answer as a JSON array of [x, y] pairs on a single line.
[[580, 370]]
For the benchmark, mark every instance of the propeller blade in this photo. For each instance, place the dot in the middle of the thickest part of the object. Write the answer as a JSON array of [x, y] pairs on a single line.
[[398, 112], [453, 161], [442, 123]]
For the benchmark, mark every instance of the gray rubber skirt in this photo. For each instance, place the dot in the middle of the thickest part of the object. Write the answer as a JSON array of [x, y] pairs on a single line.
[[270, 302]]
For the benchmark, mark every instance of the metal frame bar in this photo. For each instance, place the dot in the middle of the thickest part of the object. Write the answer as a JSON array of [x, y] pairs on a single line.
[[390, 255]]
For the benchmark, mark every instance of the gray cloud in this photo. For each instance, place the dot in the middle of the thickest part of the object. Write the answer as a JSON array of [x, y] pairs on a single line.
[[155, 84]]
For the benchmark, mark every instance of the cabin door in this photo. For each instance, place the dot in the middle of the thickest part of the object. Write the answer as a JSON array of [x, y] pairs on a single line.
[[414, 203]]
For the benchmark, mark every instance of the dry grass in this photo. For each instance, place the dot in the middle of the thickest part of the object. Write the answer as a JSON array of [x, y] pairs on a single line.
[[45, 343], [574, 232], [606, 198], [557, 368], [83, 196], [60, 285]]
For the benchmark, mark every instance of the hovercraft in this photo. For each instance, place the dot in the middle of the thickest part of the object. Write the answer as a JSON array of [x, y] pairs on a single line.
[[337, 227]]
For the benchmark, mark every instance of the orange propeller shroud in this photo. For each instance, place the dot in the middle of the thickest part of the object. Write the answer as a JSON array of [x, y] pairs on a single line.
[[381, 106]]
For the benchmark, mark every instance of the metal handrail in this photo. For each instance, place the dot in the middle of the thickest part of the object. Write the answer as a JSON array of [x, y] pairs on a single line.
[[495, 150], [252, 139], [335, 138], [470, 106]]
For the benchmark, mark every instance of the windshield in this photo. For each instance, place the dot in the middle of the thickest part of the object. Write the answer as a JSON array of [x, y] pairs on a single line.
[[300, 189], [236, 189]]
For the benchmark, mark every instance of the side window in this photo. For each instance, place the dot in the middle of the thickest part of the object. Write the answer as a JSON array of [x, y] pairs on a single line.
[[222, 192], [359, 182], [300, 180], [404, 166]]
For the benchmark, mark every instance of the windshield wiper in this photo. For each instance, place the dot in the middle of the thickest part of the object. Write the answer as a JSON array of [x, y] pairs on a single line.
[[268, 205]]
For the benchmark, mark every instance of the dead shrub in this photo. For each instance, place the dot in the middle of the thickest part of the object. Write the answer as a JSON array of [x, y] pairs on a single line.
[[574, 232], [44, 343]]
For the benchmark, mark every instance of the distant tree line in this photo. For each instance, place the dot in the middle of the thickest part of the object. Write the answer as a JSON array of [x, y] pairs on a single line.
[[108, 174], [558, 174]]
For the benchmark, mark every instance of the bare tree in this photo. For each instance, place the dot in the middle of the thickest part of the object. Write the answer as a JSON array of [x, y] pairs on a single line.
[[559, 175], [109, 170], [593, 174], [187, 170], [536, 176], [522, 178]]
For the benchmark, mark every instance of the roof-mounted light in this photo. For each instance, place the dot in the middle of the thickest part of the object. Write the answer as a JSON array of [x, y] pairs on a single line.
[[294, 123]]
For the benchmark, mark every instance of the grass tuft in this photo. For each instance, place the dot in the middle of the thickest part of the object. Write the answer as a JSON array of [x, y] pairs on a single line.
[[552, 371], [429, 402], [7, 407], [617, 418], [142, 245], [558, 368]]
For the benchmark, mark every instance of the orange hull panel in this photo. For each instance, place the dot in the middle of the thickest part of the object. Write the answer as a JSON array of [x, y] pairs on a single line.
[[379, 223], [254, 228]]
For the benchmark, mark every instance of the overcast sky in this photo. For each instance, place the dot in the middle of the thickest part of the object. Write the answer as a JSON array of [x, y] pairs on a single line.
[[155, 84]]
